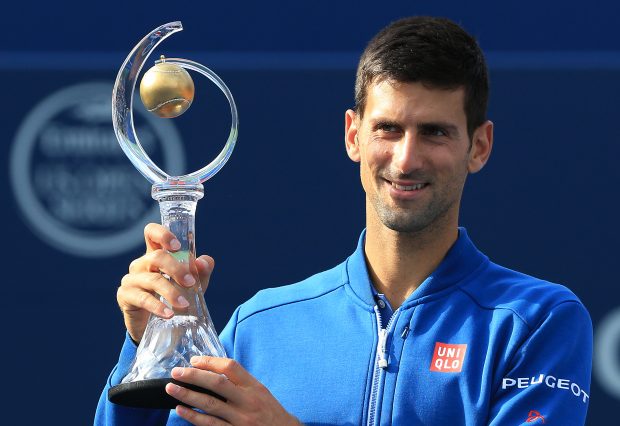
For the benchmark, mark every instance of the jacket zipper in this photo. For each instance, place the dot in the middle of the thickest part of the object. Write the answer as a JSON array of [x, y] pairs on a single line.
[[381, 362]]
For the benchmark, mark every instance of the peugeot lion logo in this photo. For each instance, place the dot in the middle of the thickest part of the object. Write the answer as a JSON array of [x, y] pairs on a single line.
[[72, 182]]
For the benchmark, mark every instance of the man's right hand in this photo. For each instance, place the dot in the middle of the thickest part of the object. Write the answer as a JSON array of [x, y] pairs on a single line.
[[138, 294]]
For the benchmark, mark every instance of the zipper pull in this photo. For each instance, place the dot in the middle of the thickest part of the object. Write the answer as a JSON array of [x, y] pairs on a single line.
[[382, 351], [405, 332]]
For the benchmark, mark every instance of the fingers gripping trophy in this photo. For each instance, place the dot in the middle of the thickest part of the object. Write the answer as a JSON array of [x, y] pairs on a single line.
[[167, 90]]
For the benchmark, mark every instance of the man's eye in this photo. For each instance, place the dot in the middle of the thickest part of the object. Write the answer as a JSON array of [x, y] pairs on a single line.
[[388, 128], [434, 131]]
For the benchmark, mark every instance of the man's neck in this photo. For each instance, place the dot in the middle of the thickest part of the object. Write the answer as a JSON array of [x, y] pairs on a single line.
[[399, 262]]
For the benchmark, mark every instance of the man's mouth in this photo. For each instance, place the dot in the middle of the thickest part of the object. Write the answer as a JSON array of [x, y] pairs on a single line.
[[415, 187]]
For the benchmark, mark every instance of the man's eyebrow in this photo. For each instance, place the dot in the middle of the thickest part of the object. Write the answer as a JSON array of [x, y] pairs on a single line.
[[452, 129], [381, 121]]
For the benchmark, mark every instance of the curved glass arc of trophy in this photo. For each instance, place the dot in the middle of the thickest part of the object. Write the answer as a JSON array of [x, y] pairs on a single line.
[[122, 110], [168, 343], [122, 101], [214, 166]]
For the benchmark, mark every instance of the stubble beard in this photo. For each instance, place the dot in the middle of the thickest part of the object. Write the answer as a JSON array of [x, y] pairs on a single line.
[[417, 217]]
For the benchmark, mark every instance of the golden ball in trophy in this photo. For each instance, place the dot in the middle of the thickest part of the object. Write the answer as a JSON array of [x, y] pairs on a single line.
[[166, 89]]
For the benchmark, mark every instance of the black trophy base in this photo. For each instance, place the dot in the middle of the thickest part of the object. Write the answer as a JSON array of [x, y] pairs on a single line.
[[150, 394]]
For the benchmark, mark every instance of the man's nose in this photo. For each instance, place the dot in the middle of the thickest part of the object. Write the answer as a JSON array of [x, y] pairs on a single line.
[[407, 154]]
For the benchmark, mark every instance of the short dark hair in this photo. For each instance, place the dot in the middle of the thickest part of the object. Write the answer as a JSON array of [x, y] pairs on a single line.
[[433, 51]]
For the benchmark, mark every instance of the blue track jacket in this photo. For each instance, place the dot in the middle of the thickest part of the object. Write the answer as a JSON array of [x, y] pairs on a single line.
[[475, 344]]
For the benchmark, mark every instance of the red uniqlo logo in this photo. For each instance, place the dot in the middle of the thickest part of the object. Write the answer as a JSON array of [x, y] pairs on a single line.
[[533, 416], [448, 358]]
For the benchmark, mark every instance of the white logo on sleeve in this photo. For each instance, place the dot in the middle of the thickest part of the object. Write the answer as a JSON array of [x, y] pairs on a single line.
[[546, 380]]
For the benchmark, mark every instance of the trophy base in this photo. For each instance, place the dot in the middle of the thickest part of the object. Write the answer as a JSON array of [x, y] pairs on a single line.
[[151, 394]]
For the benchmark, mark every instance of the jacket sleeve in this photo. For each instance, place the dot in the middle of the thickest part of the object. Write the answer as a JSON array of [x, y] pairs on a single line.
[[548, 378], [227, 336], [109, 414]]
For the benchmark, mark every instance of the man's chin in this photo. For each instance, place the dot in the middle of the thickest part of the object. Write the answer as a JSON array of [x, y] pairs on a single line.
[[405, 225]]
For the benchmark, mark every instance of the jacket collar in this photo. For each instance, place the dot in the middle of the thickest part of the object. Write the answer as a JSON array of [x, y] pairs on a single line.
[[462, 259]]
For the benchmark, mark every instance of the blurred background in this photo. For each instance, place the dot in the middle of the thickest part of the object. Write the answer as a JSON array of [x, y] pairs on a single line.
[[288, 203]]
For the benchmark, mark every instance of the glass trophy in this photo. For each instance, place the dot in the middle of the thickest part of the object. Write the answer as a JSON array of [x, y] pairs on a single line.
[[168, 343]]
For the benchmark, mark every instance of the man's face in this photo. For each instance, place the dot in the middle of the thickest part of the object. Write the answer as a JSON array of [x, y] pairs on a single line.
[[415, 153]]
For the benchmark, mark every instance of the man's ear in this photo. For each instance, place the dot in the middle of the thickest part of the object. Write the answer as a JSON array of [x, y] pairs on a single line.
[[350, 135], [481, 146]]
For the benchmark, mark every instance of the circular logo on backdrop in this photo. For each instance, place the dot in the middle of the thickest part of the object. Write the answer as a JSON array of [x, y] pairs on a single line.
[[74, 185], [607, 353]]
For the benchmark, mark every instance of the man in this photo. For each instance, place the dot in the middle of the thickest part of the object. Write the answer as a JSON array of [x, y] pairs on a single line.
[[417, 326]]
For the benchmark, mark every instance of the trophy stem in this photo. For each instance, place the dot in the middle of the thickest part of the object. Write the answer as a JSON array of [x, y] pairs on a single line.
[[169, 343], [178, 209]]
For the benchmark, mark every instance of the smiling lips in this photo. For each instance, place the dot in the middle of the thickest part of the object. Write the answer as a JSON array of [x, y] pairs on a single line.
[[406, 192], [408, 187]]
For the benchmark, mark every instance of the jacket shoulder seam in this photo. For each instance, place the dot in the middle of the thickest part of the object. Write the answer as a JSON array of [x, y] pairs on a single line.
[[493, 308], [514, 311], [251, 314]]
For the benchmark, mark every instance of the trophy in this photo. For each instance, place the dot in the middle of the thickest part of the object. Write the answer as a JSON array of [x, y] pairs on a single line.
[[167, 90]]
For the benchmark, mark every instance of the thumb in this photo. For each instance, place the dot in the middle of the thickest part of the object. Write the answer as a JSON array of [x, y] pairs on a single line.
[[205, 265]]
